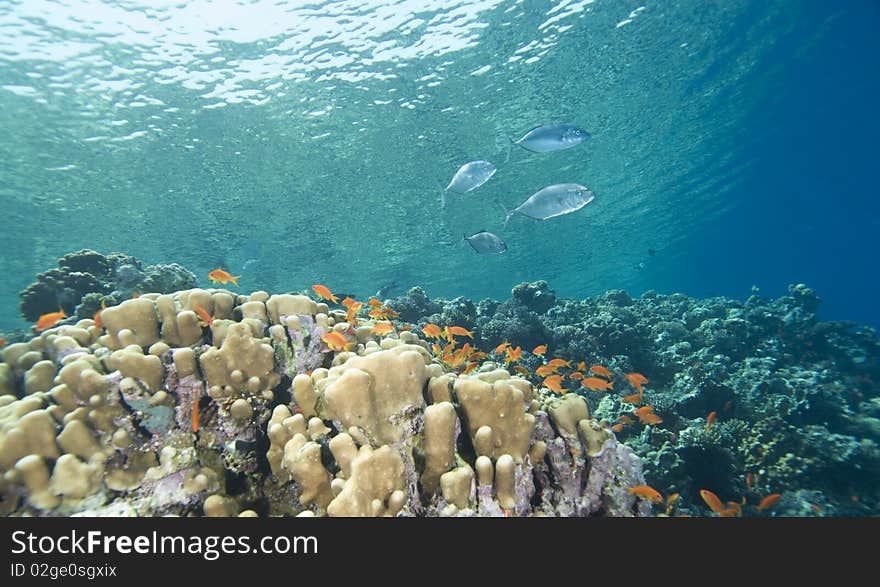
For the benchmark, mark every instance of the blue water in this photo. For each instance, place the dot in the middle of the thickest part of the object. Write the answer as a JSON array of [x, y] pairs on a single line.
[[297, 144]]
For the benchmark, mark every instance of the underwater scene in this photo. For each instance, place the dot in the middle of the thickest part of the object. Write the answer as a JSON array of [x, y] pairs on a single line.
[[592, 258]]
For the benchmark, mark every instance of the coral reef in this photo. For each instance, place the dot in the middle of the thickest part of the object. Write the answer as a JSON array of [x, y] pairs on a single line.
[[156, 412], [84, 278]]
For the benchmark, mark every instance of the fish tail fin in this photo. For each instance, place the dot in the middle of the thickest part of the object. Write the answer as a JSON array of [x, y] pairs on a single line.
[[507, 213]]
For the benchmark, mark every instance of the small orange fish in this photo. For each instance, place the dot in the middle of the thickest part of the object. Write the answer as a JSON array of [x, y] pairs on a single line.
[[554, 382], [500, 348], [377, 314], [470, 367], [651, 419], [521, 370], [324, 293], [437, 350], [374, 303], [617, 428], [769, 501], [582, 366], [390, 313], [670, 501], [749, 478], [49, 320], [709, 419], [349, 301], [195, 413], [220, 276], [351, 316], [559, 363], [732, 509], [205, 317], [382, 328], [432, 331], [634, 398], [3, 342], [99, 323], [636, 380], [601, 371], [539, 350], [576, 375], [457, 331], [512, 355], [712, 501], [596, 384], [624, 419], [545, 370], [404, 328], [136, 295], [335, 340], [646, 492]]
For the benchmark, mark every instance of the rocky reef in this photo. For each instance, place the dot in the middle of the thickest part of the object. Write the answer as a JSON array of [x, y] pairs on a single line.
[[206, 402], [795, 399]]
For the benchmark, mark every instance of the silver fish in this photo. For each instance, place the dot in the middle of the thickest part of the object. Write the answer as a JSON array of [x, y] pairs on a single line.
[[550, 137], [486, 243], [469, 177], [554, 200]]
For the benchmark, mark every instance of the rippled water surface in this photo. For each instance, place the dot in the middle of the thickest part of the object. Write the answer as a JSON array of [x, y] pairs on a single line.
[[304, 142]]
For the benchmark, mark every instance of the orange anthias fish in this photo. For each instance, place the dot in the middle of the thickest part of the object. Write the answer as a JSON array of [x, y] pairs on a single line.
[[545, 370], [349, 301], [49, 320], [647, 416], [576, 375], [99, 323], [601, 371], [712, 501], [559, 363], [335, 341], [633, 398], [220, 276], [709, 419], [554, 382], [670, 501], [374, 303], [457, 331], [521, 370], [204, 316], [470, 368], [617, 428], [624, 419], [596, 384], [500, 348], [539, 350], [636, 380], [3, 342], [195, 413], [769, 501], [582, 366], [432, 331], [512, 354], [324, 293], [383, 328], [646, 492]]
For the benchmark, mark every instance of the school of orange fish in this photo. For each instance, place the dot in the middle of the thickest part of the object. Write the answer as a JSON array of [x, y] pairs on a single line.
[[556, 374]]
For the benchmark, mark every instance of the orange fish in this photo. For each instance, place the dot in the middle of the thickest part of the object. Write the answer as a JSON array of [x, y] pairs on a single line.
[[539, 350], [646, 492], [500, 348], [437, 350], [749, 478], [383, 328], [377, 314], [390, 313], [732, 509], [651, 419], [769, 501], [324, 293], [3, 342], [636, 380], [617, 428], [582, 366], [709, 419], [470, 367], [432, 331], [512, 355], [554, 382], [99, 323], [545, 370], [670, 501], [632, 398], [559, 363], [205, 317], [335, 341], [576, 375], [351, 314], [195, 413], [521, 370], [374, 303], [601, 371], [49, 320], [220, 276], [712, 501], [348, 302], [596, 384], [624, 419], [457, 331]]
